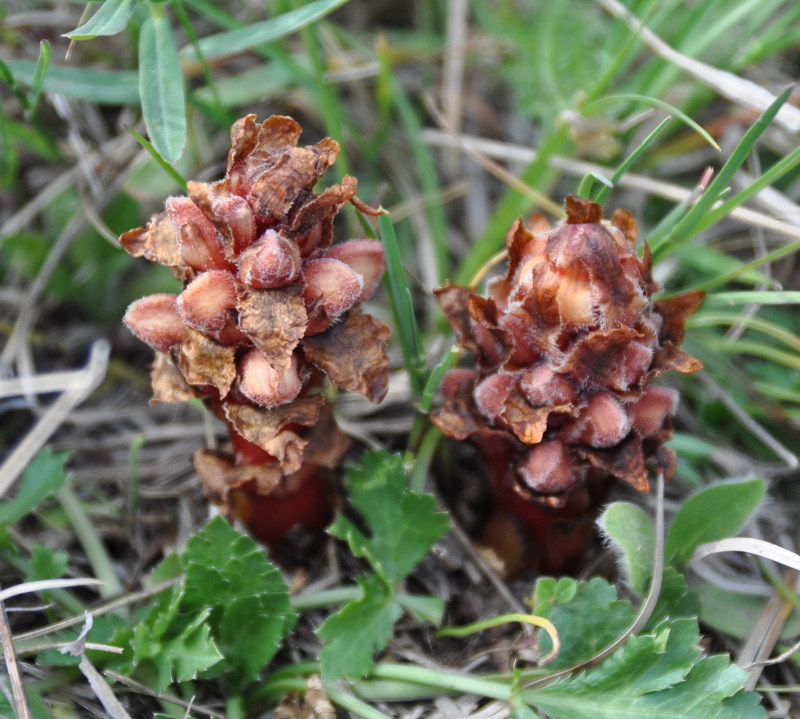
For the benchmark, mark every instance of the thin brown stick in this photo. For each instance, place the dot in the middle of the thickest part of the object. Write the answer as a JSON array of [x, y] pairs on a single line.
[[21, 706]]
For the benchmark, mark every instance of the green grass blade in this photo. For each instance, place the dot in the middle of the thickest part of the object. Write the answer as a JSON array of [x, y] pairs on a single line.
[[753, 348], [759, 324], [161, 88], [772, 175], [232, 42], [685, 229], [402, 306], [162, 163], [111, 18], [7, 76], [729, 299], [604, 191], [588, 182], [39, 74], [114, 87]]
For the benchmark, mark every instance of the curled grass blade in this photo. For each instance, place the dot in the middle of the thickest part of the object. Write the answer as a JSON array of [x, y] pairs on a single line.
[[687, 226], [112, 17], [541, 622], [235, 41], [671, 109], [771, 329], [588, 181], [161, 87]]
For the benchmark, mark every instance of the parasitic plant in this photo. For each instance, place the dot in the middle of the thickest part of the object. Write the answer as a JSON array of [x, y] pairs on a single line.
[[268, 310], [560, 402]]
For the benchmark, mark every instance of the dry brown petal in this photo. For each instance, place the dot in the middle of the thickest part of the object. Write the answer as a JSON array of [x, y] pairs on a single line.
[[167, 381], [517, 240], [207, 301], [491, 394], [625, 461], [676, 311], [261, 384], [494, 341], [154, 319], [327, 444], [315, 705], [528, 423], [204, 362], [312, 221], [272, 261], [274, 320], [598, 358], [365, 258], [353, 354], [265, 427], [158, 242], [581, 211], [453, 300], [331, 288], [670, 357], [219, 476], [624, 221]]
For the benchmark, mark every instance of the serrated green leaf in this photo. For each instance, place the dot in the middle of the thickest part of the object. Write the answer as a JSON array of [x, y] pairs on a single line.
[[161, 88], [360, 628], [653, 675], [42, 479], [251, 608], [111, 18], [404, 525], [713, 513], [632, 535], [231, 42], [47, 563], [589, 621]]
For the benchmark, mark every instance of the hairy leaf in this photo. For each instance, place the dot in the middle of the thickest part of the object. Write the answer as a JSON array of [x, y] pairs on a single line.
[[631, 533]]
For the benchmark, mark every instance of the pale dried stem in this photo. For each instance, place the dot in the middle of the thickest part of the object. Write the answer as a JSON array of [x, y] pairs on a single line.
[[579, 168], [21, 705], [453, 75]]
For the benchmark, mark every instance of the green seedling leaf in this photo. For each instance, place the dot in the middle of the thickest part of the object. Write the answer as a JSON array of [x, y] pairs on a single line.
[[356, 631], [111, 18], [632, 535], [250, 605], [404, 525], [589, 620], [119, 87], [161, 88], [659, 674], [42, 479], [47, 563], [39, 73], [261, 33], [713, 513]]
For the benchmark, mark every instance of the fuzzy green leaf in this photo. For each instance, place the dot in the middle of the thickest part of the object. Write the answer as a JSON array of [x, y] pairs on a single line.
[[111, 18], [632, 535], [161, 88], [42, 479], [592, 618], [404, 525], [713, 513], [360, 628]]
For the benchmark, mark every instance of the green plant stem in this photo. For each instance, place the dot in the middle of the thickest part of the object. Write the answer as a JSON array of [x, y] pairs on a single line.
[[96, 552], [418, 474]]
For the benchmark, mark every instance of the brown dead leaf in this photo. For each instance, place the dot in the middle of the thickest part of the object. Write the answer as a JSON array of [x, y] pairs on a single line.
[[624, 461], [219, 476], [204, 362], [313, 220], [353, 355], [275, 320], [327, 444], [676, 311], [167, 381], [454, 299], [158, 242], [580, 211], [670, 357], [315, 704]]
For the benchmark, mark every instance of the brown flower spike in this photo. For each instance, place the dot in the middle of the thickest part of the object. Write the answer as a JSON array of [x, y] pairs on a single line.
[[560, 402], [268, 310]]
